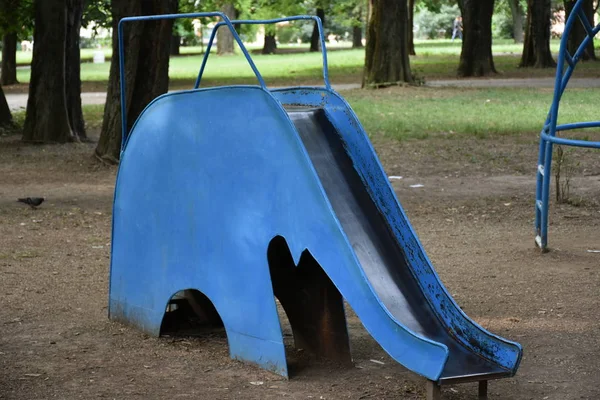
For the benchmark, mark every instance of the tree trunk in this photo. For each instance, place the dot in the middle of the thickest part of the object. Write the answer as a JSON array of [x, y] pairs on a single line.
[[175, 37], [315, 39], [357, 30], [8, 76], [73, 68], [146, 69], [476, 53], [386, 55], [578, 33], [224, 36], [517, 19], [357, 37], [536, 47], [411, 25], [270, 45], [47, 119], [175, 44], [5, 115]]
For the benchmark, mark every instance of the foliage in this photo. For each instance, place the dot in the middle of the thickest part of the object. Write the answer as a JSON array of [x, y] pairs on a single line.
[[432, 24], [349, 13], [502, 21], [97, 14], [17, 16], [502, 25]]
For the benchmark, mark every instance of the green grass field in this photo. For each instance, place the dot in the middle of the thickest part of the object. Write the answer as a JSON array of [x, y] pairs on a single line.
[[405, 113], [422, 112], [436, 59]]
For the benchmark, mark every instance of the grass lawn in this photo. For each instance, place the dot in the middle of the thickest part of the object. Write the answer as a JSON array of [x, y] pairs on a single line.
[[422, 112], [436, 59], [405, 113]]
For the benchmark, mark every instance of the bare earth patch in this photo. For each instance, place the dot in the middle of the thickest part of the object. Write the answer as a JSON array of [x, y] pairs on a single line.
[[474, 215]]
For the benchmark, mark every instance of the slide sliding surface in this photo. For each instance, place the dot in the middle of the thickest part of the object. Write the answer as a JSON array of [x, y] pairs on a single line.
[[376, 248]]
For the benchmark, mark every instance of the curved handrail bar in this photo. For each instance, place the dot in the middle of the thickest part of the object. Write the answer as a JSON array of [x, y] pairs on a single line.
[[270, 21], [226, 21], [571, 142], [562, 77], [578, 125]]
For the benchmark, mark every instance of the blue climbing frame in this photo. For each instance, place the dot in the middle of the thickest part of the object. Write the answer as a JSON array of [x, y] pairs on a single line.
[[548, 135]]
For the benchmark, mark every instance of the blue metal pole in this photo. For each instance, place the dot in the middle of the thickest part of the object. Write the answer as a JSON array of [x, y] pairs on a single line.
[[226, 21], [271, 21]]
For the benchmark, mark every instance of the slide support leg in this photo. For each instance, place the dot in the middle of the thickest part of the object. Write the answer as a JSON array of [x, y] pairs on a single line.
[[483, 389], [434, 391]]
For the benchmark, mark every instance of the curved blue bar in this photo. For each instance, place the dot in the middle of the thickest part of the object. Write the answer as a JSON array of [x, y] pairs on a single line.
[[270, 21], [578, 125], [570, 142], [226, 21]]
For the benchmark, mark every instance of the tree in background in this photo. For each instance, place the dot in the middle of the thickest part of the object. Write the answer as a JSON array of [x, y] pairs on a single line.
[[224, 36], [73, 68], [5, 115], [516, 12], [48, 111], [272, 9], [314, 38], [16, 21], [386, 55], [411, 26], [146, 69], [351, 13], [476, 53], [536, 47], [435, 19], [578, 32]]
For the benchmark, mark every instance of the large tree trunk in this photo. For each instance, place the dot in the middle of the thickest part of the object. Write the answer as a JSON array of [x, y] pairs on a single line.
[[8, 76], [270, 45], [175, 37], [517, 19], [47, 119], [175, 44], [578, 33], [536, 47], [146, 69], [314, 39], [5, 115], [73, 68], [411, 25], [386, 55], [224, 36], [476, 54]]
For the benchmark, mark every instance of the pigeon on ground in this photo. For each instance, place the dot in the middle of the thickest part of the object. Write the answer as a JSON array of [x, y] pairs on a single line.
[[33, 202]]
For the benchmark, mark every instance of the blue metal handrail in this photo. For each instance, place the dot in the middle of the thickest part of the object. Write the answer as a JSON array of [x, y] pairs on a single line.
[[226, 21], [270, 21]]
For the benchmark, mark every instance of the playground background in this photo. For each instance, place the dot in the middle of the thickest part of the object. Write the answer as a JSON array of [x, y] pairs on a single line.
[[474, 153]]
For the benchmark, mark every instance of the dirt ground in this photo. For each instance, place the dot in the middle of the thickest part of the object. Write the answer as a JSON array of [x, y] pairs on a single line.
[[473, 214]]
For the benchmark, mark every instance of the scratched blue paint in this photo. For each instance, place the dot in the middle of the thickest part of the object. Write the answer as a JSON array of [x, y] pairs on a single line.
[[208, 177], [548, 134]]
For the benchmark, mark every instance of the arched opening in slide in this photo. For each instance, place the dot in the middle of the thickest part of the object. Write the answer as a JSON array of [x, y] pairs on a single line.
[[191, 313], [312, 303]]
